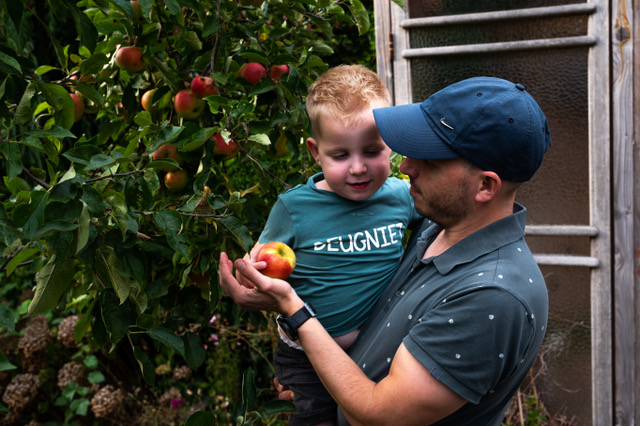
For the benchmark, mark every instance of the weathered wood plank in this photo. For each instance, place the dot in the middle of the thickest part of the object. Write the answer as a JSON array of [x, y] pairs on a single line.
[[623, 208]]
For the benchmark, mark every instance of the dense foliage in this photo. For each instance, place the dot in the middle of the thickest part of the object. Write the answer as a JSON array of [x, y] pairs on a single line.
[[109, 302]]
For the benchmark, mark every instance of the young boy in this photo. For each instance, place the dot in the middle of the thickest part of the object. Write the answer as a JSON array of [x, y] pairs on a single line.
[[345, 226]]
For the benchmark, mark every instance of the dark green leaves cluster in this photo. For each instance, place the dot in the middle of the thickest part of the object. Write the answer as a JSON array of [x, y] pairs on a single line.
[[84, 210]]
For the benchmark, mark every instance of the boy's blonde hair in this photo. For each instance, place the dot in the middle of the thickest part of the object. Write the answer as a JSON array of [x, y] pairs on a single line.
[[343, 93]]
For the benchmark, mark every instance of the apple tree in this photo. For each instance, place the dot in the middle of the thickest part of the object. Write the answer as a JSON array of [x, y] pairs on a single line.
[[139, 140]]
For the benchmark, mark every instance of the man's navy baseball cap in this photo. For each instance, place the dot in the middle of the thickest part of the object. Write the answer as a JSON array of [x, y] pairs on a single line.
[[493, 123]]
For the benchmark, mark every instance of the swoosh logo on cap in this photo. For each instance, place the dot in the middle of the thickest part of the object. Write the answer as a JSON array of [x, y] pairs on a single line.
[[445, 124]]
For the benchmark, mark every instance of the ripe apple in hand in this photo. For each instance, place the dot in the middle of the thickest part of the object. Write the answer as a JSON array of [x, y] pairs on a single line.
[[188, 105], [175, 181], [253, 72], [203, 86], [280, 260], [129, 58], [222, 147], [78, 107]]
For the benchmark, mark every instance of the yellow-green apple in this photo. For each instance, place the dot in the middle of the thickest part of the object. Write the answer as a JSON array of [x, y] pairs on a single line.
[[129, 58], [229, 148], [278, 70], [281, 145], [147, 101], [280, 259], [176, 180], [203, 86], [167, 151], [78, 106], [188, 105], [253, 72]]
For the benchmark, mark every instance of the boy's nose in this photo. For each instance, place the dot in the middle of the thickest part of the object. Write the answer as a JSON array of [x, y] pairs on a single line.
[[358, 167]]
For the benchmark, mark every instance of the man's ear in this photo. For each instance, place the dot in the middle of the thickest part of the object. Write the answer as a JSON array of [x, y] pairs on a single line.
[[312, 144], [490, 184]]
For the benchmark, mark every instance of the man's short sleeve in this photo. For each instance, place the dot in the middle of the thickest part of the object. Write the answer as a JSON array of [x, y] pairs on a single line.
[[471, 341]]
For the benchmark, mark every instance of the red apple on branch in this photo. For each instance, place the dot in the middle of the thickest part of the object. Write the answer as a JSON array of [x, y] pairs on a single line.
[[278, 71], [203, 86], [176, 180], [188, 105], [167, 151], [253, 72], [280, 260], [129, 58], [229, 148], [78, 107]]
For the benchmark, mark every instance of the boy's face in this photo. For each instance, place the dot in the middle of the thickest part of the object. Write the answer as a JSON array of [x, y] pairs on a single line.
[[354, 159]]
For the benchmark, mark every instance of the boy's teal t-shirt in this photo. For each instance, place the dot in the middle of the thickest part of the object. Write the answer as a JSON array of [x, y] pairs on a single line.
[[346, 251]]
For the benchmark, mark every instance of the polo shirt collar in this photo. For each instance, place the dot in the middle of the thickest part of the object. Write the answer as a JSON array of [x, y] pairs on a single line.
[[486, 240]]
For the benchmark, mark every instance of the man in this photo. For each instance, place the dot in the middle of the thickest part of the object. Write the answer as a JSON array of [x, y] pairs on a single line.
[[458, 328]]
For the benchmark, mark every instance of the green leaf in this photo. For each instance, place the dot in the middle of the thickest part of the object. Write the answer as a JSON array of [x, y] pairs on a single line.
[[146, 366], [201, 418], [193, 350], [171, 222], [5, 364], [168, 134], [84, 221], [167, 338], [19, 258], [95, 377], [9, 65], [94, 63], [15, 10], [115, 315], [53, 132], [239, 231], [248, 389], [8, 318], [24, 111], [86, 30], [360, 15], [91, 362], [90, 92], [276, 406], [52, 281], [262, 139], [43, 69], [108, 269]]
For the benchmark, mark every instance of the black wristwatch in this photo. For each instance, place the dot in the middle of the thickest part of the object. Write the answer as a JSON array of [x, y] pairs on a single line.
[[290, 325]]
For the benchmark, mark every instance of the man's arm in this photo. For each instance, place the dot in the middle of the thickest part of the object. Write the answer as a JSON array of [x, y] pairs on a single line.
[[409, 393]]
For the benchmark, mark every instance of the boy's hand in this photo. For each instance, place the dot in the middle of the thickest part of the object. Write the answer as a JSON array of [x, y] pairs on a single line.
[[249, 257]]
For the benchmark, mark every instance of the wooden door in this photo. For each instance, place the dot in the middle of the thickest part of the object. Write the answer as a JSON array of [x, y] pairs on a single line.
[[560, 52]]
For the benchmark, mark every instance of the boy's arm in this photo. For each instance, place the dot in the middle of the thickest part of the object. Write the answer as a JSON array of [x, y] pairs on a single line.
[[409, 390]]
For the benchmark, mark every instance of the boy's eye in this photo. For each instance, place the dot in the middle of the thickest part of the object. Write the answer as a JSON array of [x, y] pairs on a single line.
[[339, 155]]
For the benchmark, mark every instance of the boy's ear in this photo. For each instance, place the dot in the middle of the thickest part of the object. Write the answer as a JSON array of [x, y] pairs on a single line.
[[312, 144]]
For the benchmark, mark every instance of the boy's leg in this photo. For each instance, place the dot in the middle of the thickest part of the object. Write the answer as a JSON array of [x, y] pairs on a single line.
[[313, 403]]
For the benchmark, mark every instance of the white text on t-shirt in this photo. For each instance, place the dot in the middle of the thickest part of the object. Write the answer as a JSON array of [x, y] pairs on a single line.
[[363, 240]]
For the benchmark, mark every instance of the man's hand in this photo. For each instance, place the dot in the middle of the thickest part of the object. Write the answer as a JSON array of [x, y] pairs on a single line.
[[258, 292]]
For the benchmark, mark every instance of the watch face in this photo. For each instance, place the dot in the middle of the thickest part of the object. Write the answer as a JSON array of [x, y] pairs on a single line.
[[286, 329]]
